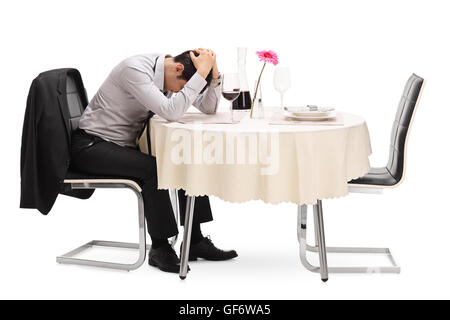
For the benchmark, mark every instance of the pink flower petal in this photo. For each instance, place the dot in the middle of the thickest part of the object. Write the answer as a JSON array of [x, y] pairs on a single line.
[[268, 56]]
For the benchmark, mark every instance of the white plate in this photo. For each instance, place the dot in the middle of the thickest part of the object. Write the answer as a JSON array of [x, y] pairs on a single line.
[[305, 112], [328, 115]]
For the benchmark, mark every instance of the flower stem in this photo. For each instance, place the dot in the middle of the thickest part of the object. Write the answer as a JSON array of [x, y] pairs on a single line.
[[256, 90]]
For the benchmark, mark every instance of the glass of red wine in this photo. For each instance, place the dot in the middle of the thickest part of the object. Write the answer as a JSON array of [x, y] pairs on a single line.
[[231, 89]]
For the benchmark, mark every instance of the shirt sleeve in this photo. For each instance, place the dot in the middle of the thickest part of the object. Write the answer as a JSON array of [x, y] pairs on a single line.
[[208, 101], [140, 86]]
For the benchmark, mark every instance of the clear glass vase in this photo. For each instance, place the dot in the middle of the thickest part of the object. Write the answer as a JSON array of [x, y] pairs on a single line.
[[258, 107]]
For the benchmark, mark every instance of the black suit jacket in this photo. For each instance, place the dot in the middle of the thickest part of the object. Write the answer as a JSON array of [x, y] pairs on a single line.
[[46, 138]]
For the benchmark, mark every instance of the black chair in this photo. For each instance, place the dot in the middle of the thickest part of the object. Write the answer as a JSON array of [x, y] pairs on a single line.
[[393, 173], [374, 181], [77, 102]]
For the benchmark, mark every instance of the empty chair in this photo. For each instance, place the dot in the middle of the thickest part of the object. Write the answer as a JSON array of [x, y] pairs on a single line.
[[373, 182], [394, 172]]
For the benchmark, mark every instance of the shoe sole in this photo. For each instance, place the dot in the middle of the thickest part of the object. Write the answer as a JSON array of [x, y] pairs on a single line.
[[153, 263], [195, 258]]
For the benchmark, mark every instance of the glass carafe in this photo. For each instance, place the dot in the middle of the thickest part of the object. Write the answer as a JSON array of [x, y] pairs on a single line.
[[244, 101]]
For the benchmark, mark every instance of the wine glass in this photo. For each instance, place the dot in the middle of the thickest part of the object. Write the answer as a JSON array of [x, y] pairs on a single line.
[[282, 81], [231, 89]]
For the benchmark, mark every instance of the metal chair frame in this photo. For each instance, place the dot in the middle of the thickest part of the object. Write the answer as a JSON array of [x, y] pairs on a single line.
[[142, 247], [321, 248]]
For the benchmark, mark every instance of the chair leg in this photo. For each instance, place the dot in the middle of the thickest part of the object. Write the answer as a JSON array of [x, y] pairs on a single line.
[[316, 232], [190, 202], [141, 246], [304, 248], [302, 220], [173, 193]]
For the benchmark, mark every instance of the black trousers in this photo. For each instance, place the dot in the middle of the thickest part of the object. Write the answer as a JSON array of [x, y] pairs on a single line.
[[93, 155]]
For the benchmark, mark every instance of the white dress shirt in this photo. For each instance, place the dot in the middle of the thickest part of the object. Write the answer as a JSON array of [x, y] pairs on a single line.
[[134, 87]]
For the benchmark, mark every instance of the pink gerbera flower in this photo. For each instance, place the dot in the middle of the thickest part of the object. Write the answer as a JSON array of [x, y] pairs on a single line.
[[268, 56]]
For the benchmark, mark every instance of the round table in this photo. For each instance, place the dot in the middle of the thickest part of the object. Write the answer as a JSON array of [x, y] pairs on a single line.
[[255, 160], [301, 163]]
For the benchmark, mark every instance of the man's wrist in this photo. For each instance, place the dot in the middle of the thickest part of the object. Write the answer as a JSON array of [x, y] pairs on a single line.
[[203, 72], [215, 82], [215, 72]]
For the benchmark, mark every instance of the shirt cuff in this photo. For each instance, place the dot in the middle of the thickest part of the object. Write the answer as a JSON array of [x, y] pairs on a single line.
[[216, 82], [197, 83]]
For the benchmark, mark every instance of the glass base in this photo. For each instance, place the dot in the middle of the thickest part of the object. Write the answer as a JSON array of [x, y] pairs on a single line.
[[258, 111]]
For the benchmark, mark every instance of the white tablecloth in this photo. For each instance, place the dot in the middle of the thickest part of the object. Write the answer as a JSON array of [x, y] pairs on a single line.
[[314, 161]]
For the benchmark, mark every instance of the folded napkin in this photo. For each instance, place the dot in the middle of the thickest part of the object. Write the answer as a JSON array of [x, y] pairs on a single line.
[[279, 118], [219, 117]]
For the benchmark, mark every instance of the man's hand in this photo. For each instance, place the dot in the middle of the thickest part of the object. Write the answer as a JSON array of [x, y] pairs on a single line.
[[215, 70], [204, 62]]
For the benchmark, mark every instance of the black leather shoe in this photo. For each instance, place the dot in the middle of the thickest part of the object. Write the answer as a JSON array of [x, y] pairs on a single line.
[[165, 259], [205, 249]]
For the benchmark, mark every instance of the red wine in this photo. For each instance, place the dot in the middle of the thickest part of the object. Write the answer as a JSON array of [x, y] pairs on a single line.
[[244, 101], [230, 95]]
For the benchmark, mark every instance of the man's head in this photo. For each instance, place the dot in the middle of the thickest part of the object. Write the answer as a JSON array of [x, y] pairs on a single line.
[[178, 70]]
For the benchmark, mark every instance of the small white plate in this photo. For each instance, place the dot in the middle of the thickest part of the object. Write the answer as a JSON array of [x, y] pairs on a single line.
[[309, 117], [306, 112]]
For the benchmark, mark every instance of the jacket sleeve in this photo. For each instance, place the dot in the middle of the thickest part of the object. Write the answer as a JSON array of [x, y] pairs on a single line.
[[28, 153]]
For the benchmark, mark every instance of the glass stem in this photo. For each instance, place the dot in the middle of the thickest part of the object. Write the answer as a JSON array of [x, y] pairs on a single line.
[[281, 98], [231, 111]]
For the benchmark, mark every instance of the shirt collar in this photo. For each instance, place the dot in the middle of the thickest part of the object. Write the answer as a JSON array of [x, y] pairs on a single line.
[[159, 72]]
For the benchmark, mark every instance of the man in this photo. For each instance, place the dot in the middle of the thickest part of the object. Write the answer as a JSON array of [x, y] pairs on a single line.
[[105, 143]]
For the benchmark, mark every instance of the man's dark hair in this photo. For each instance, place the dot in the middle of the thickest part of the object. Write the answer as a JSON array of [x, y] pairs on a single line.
[[189, 68]]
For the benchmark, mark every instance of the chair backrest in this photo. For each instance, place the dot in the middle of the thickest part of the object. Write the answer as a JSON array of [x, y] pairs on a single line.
[[402, 124], [76, 99]]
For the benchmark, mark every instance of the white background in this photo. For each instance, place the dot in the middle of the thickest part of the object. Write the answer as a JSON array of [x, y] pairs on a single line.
[[353, 55]]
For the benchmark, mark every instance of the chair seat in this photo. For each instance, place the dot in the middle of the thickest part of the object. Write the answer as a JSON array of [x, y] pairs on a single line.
[[376, 177], [75, 175]]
